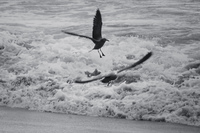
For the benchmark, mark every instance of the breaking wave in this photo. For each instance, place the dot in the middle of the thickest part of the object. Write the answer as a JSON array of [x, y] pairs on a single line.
[[38, 74]]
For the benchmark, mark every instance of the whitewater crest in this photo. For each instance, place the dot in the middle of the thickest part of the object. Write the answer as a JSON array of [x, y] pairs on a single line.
[[37, 74]]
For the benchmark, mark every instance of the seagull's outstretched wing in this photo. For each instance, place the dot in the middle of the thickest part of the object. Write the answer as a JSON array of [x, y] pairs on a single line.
[[90, 80], [74, 34], [97, 24], [147, 56]]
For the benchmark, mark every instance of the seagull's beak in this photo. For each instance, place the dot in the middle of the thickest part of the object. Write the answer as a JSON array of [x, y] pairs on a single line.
[[107, 40]]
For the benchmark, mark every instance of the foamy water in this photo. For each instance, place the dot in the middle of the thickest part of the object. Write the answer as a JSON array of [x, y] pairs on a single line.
[[39, 62]]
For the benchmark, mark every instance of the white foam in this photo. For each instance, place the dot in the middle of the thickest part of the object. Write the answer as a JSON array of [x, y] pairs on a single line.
[[39, 63]]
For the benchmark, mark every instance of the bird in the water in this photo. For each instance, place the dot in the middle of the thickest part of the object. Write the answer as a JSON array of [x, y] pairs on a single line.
[[114, 75], [96, 34]]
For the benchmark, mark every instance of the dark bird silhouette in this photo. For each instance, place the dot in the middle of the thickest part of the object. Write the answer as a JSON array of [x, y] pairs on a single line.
[[112, 76], [96, 34]]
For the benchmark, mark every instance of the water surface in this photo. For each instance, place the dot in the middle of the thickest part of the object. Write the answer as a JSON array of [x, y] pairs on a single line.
[[38, 62]]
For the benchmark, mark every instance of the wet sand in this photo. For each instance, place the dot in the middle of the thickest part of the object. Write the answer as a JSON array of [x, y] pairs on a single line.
[[15, 120]]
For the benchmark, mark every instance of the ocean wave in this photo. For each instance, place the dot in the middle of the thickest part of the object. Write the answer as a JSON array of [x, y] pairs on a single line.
[[38, 74]]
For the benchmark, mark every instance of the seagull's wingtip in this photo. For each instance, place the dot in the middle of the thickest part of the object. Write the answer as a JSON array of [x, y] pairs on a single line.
[[147, 56], [150, 53], [98, 10]]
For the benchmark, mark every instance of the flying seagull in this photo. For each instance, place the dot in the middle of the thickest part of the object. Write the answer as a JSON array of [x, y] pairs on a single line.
[[114, 75], [96, 34]]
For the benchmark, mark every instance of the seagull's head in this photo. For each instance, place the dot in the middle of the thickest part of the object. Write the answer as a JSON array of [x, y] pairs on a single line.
[[104, 40]]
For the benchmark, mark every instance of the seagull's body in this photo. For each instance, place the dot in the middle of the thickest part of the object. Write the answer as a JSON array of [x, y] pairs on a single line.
[[114, 75], [96, 34]]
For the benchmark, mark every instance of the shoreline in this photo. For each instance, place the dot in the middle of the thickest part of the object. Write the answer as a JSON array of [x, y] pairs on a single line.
[[18, 120]]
